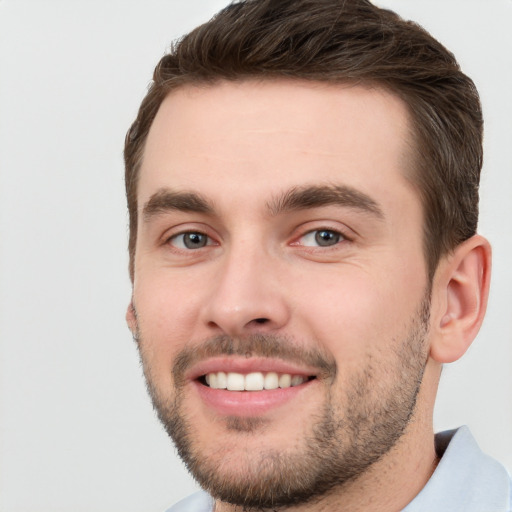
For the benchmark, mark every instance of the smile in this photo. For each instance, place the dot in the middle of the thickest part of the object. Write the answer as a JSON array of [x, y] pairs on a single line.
[[254, 381], [250, 386]]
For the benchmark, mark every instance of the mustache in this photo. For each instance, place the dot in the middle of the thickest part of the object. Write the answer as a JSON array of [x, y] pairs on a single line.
[[256, 345]]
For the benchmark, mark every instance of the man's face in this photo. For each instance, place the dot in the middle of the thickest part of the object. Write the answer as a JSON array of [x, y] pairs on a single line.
[[280, 246]]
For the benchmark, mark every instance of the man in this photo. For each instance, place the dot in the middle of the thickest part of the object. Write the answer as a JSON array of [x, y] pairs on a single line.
[[302, 182]]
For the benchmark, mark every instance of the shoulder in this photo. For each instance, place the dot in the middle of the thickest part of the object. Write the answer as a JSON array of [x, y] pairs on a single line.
[[465, 479], [197, 502]]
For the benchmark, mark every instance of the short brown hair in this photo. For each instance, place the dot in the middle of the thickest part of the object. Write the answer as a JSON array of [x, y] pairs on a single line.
[[339, 41]]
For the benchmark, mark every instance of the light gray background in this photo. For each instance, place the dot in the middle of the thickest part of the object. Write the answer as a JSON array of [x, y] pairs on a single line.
[[76, 428]]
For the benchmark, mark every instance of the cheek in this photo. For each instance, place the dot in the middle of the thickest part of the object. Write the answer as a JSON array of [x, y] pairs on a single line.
[[164, 299], [353, 313], [167, 313]]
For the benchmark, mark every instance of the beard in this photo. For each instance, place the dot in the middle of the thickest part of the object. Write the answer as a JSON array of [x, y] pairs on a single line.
[[345, 436]]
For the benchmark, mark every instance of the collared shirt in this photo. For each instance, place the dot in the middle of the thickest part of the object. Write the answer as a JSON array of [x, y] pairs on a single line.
[[465, 480]]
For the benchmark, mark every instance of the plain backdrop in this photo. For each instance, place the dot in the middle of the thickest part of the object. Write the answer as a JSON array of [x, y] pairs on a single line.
[[77, 431]]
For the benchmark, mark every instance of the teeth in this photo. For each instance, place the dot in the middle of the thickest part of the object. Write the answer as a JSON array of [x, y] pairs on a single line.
[[285, 380], [255, 381], [297, 380], [222, 380], [236, 382], [271, 381]]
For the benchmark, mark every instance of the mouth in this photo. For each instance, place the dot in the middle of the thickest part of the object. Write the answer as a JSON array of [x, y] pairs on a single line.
[[250, 387], [253, 381]]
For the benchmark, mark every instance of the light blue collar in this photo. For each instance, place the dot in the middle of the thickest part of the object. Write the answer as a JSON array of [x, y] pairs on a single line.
[[465, 480]]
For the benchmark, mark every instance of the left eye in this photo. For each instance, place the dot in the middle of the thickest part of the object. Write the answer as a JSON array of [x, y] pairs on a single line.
[[321, 238], [190, 240]]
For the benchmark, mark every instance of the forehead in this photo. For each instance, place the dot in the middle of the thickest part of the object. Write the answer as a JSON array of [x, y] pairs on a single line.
[[250, 136]]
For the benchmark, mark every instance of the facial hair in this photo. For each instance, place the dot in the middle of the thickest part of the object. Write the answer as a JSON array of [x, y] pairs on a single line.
[[346, 437]]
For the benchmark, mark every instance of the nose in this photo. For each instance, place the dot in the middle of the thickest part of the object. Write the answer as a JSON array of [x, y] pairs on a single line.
[[249, 295]]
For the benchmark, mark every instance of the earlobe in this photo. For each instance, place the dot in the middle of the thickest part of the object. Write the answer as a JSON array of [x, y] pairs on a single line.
[[461, 288]]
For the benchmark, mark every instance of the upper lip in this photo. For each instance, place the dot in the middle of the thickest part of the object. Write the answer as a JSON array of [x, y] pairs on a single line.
[[237, 364]]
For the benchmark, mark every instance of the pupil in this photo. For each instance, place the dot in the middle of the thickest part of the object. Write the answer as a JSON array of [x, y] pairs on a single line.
[[194, 240], [327, 238]]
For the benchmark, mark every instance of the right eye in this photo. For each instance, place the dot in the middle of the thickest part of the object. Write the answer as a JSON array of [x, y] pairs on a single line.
[[322, 238], [190, 240]]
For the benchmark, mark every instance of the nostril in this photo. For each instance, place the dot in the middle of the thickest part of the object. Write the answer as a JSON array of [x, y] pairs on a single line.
[[261, 320]]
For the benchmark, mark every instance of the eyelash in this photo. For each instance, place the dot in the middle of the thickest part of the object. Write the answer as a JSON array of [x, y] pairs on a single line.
[[191, 233], [338, 236], [332, 235]]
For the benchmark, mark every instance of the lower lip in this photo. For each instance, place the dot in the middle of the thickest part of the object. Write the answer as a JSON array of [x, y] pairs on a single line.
[[248, 403]]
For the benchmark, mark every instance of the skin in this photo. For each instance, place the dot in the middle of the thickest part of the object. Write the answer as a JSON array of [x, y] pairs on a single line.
[[239, 146]]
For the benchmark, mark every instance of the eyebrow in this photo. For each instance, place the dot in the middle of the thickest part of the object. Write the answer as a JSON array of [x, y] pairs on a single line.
[[307, 197], [297, 198], [166, 200]]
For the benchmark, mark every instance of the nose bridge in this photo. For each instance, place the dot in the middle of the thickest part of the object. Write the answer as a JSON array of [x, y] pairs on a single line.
[[247, 296]]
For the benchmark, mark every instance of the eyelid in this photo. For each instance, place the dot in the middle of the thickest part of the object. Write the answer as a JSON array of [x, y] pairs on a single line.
[[184, 229], [182, 246], [346, 233], [309, 239]]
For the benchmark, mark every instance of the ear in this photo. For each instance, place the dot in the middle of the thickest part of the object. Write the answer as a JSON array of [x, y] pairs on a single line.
[[461, 288], [131, 319]]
